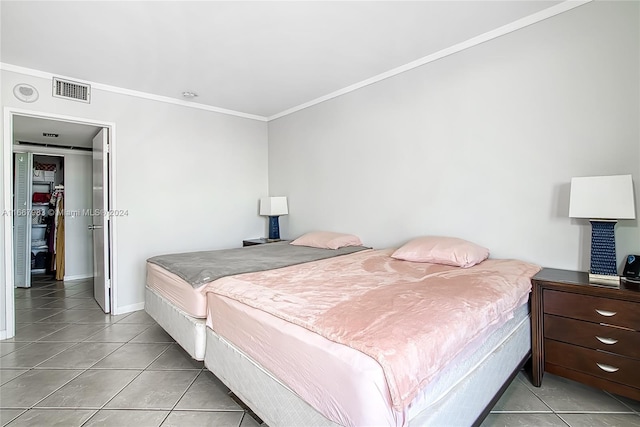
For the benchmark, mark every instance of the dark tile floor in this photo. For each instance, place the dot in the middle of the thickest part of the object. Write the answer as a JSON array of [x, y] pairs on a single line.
[[71, 365]]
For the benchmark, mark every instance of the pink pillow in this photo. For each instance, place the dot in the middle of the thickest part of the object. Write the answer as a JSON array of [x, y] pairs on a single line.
[[442, 250], [327, 240]]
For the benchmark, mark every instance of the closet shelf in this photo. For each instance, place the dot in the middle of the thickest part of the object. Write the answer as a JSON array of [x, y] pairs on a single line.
[[39, 225]]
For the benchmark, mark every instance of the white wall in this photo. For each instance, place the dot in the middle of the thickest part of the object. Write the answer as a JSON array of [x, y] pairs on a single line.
[[481, 144], [78, 192], [189, 179]]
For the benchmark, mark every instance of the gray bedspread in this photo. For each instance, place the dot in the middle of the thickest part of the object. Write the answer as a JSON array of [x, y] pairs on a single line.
[[198, 268]]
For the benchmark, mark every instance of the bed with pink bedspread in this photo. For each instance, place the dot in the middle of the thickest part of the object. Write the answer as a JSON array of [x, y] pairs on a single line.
[[174, 294], [377, 332]]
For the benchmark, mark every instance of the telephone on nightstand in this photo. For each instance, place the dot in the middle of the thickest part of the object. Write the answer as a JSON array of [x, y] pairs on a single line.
[[631, 270]]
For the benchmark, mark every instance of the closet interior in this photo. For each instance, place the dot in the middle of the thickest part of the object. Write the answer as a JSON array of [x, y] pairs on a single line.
[[38, 199]]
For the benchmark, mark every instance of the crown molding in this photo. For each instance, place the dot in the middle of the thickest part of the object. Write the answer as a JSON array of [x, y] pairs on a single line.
[[122, 91], [490, 35]]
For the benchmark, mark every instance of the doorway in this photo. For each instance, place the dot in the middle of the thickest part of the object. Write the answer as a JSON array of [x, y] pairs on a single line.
[[21, 129], [38, 227]]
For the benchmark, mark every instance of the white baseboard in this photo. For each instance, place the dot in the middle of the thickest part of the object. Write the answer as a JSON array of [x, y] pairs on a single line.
[[127, 308], [79, 276]]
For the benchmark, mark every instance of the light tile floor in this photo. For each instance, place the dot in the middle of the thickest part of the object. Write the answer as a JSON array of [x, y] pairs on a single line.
[[561, 402], [71, 365]]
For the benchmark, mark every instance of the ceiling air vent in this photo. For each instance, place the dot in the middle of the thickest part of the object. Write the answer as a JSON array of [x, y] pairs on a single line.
[[71, 90]]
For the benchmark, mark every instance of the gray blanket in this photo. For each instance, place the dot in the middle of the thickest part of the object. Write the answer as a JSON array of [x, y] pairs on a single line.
[[198, 268]]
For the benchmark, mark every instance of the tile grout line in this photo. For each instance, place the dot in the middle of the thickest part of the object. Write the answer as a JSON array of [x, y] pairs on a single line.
[[54, 391], [19, 348], [24, 411], [34, 368], [559, 413], [86, 342], [66, 327], [112, 397], [535, 394], [173, 408], [131, 381], [82, 371], [595, 412], [563, 420], [637, 412], [31, 368]]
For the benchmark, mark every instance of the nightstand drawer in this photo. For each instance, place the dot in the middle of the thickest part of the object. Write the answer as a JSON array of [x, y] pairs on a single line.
[[597, 363], [592, 309], [592, 335]]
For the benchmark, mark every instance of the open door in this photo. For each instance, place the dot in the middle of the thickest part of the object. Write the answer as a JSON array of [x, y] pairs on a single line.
[[22, 220], [100, 226]]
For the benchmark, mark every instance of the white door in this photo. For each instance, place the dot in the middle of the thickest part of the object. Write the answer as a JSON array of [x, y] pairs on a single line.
[[22, 220], [100, 224]]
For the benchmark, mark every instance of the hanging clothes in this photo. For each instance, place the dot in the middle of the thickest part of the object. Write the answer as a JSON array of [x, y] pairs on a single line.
[[57, 234]]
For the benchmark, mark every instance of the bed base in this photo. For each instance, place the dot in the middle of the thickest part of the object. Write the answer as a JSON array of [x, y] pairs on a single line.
[[188, 331], [464, 405], [505, 386]]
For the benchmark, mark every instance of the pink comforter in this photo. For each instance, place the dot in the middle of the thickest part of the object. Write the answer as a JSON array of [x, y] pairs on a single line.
[[410, 317]]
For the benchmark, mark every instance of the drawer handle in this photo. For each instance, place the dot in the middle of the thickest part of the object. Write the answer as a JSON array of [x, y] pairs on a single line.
[[606, 340], [606, 313], [607, 368]]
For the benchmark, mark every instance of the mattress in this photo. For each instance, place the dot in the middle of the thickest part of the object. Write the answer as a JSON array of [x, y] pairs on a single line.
[[344, 385], [200, 268], [177, 291], [182, 278], [411, 318], [180, 308]]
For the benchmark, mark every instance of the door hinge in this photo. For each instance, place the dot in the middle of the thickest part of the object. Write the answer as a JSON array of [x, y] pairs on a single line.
[[107, 282], [107, 148]]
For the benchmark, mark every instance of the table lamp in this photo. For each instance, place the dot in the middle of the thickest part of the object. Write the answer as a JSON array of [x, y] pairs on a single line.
[[603, 200], [273, 207]]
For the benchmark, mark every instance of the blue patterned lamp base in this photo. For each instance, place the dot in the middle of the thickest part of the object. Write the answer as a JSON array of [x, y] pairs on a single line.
[[274, 228], [603, 253]]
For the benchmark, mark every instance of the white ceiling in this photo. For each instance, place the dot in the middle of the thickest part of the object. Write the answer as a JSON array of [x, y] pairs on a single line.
[[259, 58], [30, 130]]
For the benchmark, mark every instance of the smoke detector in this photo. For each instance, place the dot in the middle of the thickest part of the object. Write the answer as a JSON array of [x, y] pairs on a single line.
[[25, 92]]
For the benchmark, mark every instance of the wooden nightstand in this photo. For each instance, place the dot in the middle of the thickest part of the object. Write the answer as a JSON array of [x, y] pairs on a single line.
[[585, 332], [260, 241]]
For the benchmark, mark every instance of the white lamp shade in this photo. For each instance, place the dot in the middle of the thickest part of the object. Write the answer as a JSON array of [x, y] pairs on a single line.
[[602, 197], [273, 206]]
